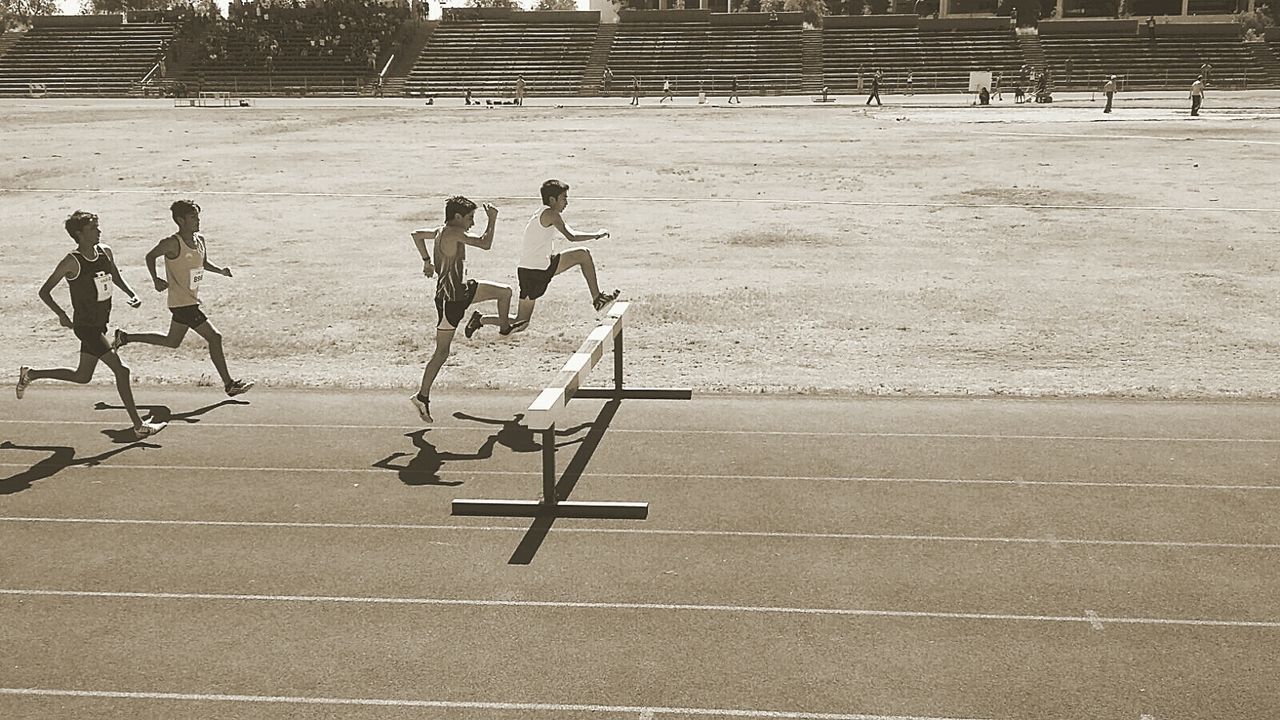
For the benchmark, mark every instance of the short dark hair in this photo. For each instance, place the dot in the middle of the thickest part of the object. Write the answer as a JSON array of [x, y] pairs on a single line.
[[183, 207], [78, 221], [552, 188], [458, 205]]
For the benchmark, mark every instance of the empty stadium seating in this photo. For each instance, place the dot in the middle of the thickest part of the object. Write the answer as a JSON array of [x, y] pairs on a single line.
[[486, 56], [940, 60], [1167, 63], [764, 58], [92, 57]]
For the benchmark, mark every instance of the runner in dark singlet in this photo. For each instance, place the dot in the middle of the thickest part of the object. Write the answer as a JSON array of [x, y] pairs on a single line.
[[454, 293], [90, 271]]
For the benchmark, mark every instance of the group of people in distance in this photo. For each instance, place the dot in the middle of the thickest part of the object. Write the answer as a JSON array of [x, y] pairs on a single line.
[[539, 263], [90, 272]]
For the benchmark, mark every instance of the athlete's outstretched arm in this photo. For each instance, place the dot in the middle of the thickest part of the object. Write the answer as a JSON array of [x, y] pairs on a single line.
[[574, 235]]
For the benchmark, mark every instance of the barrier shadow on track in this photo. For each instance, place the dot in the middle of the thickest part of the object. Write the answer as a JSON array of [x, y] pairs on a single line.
[[162, 413], [544, 519], [517, 437], [62, 457]]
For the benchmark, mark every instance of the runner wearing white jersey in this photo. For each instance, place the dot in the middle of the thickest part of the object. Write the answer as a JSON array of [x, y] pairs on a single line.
[[540, 261], [185, 262]]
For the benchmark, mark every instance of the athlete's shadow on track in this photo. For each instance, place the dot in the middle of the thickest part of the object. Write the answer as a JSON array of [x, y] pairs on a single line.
[[162, 413], [424, 468], [62, 457]]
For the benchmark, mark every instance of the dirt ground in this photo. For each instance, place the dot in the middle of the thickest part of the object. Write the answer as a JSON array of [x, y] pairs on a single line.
[[926, 247]]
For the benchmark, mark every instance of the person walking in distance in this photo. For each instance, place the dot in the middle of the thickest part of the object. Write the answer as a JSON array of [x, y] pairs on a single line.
[[1109, 89], [875, 89], [1197, 96], [186, 260], [90, 272]]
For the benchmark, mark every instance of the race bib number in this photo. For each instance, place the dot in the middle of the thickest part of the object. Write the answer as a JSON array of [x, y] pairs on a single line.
[[103, 281], [197, 274]]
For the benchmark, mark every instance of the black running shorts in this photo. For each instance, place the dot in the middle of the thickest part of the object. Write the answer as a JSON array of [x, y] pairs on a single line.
[[190, 315], [533, 283], [93, 339], [449, 313]]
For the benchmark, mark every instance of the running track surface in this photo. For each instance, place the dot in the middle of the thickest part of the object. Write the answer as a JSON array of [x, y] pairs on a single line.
[[293, 556]]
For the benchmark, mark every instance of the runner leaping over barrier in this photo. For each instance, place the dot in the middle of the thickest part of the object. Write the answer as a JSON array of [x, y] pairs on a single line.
[[541, 417]]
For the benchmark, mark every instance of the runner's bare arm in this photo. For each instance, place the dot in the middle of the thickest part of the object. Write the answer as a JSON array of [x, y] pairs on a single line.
[[574, 235], [167, 247], [119, 280], [65, 271], [485, 241], [420, 238]]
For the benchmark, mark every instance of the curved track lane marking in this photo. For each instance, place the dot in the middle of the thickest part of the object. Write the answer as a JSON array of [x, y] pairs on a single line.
[[754, 609], [458, 705], [1053, 542]]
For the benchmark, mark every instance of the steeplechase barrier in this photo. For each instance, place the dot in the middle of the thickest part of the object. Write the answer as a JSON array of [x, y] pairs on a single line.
[[541, 417]]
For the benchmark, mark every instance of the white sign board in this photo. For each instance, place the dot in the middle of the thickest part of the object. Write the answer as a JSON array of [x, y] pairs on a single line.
[[979, 80]]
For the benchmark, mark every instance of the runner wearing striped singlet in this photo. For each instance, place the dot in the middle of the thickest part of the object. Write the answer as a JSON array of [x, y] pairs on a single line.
[[454, 293], [539, 260], [90, 272], [186, 260]]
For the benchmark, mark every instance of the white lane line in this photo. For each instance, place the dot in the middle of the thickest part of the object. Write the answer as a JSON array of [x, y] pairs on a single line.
[[1007, 133], [490, 429], [461, 705], [805, 202], [1055, 543], [656, 476], [560, 604], [1094, 620]]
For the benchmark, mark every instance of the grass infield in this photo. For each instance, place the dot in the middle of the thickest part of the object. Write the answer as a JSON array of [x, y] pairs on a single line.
[[906, 250]]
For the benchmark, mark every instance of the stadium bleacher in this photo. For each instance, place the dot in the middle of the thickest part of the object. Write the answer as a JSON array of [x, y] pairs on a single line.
[[468, 51], [81, 56], [696, 49], [940, 59], [1168, 63]]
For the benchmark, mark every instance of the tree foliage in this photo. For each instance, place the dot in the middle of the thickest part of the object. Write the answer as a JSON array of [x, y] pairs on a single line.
[[556, 5], [814, 10], [20, 12], [496, 4]]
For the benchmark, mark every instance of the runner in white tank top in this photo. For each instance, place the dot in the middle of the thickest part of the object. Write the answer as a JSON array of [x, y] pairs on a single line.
[[186, 259], [541, 260]]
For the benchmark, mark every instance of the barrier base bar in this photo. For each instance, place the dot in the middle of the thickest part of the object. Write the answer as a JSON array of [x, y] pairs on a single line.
[[565, 508], [607, 393]]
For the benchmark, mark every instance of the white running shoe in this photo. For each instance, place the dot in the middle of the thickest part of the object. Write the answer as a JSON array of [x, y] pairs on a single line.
[[423, 408], [238, 387], [24, 379], [147, 429]]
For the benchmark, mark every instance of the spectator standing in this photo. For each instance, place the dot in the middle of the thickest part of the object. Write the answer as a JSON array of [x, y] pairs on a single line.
[[911, 77], [635, 90], [1151, 28], [733, 91], [520, 89], [875, 89], [1197, 96], [1109, 89], [607, 80], [1204, 72]]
